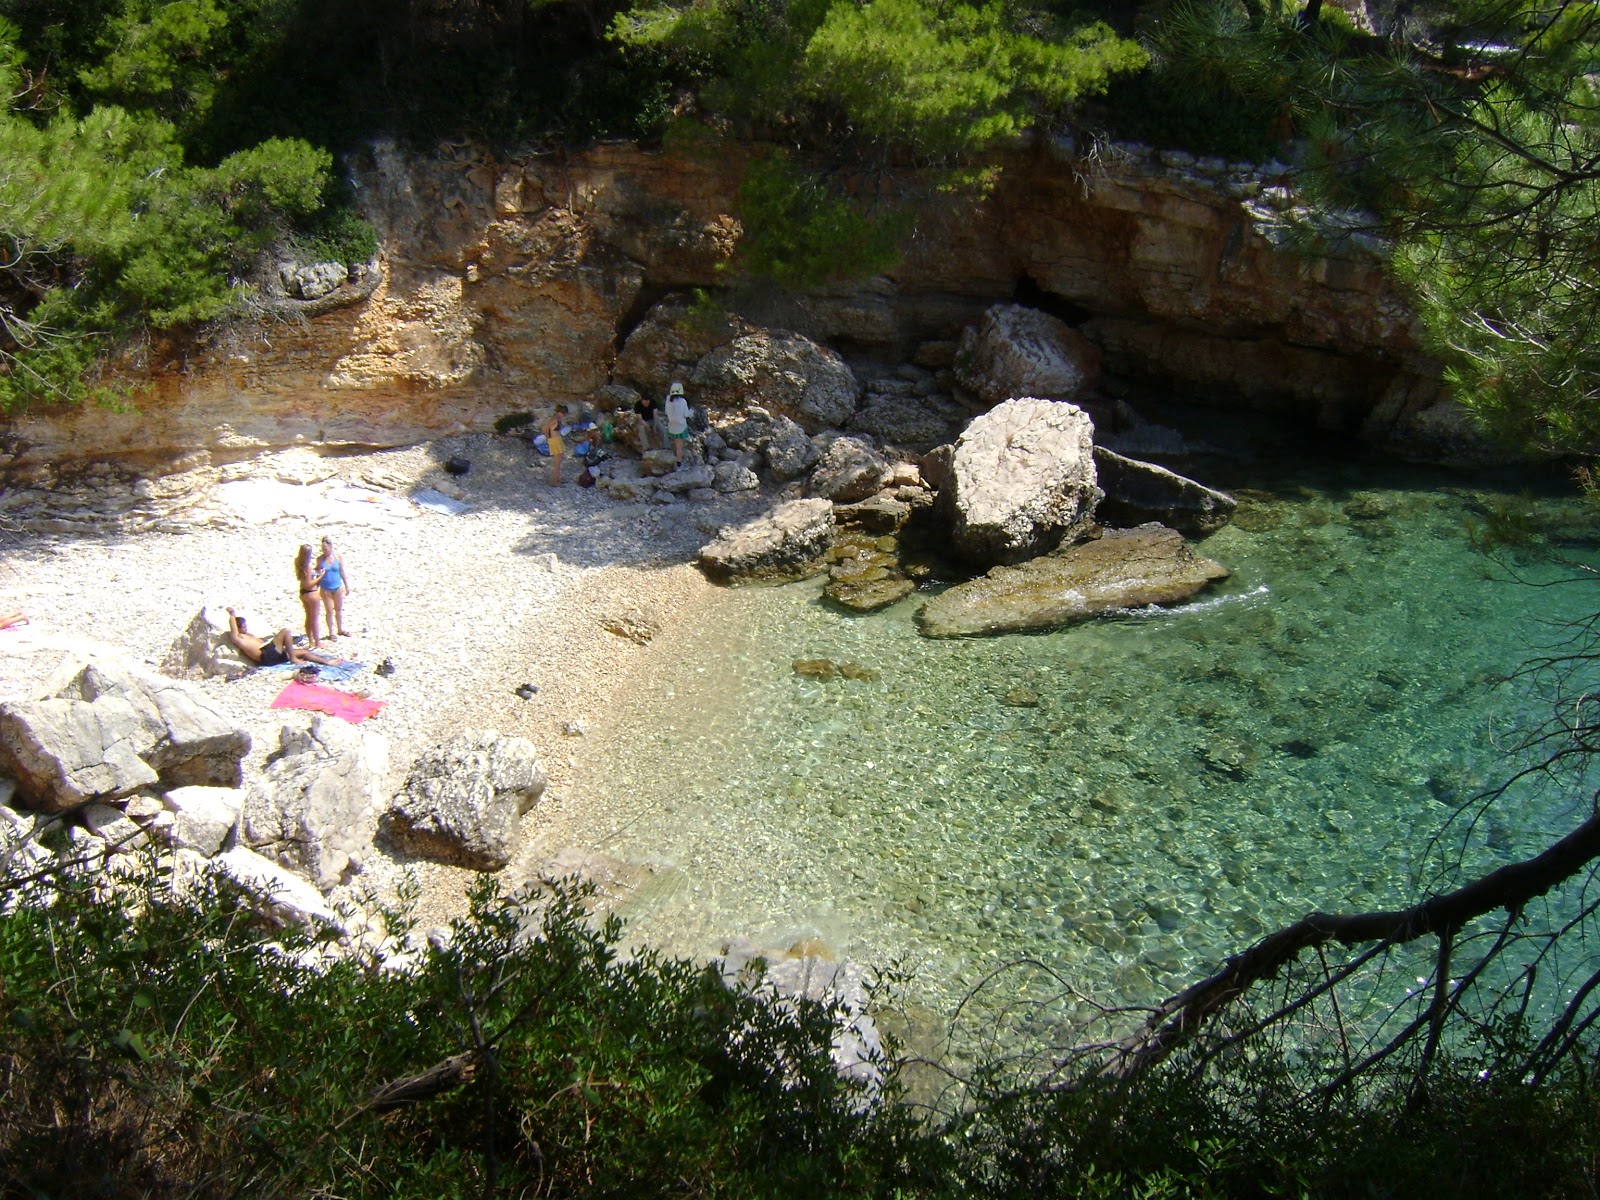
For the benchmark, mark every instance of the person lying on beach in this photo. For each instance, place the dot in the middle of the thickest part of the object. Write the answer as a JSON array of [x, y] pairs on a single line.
[[7, 620], [270, 652]]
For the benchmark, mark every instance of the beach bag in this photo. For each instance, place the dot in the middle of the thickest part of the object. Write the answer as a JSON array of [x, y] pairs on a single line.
[[586, 478]]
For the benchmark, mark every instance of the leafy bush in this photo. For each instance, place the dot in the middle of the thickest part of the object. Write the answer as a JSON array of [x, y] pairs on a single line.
[[157, 1045]]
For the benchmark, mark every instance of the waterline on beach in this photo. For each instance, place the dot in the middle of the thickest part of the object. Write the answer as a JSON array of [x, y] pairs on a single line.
[[1123, 802]]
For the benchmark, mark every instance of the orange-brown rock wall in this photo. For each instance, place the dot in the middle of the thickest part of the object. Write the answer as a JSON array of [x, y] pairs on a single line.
[[507, 286]]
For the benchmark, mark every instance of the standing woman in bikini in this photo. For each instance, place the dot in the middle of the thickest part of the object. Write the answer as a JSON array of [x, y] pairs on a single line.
[[335, 583], [305, 570]]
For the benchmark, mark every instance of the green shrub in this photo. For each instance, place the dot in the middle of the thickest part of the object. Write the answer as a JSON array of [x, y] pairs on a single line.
[[160, 1046]]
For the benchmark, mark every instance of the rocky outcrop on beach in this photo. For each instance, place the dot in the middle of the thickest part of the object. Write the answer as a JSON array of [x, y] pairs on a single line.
[[848, 470], [1016, 351], [315, 807], [463, 801], [106, 730], [782, 372], [1124, 569], [790, 542], [1021, 479]]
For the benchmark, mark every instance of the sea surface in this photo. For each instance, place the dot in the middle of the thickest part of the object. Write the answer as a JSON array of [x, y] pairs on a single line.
[[1035, 827]]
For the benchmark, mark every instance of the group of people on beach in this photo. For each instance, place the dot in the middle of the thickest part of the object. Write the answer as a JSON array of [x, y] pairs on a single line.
[[323, 581], [675, 412]]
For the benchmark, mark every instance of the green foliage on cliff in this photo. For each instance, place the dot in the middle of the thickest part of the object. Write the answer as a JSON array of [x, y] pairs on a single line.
[[1474, 151], [860, 87], [112, 230]]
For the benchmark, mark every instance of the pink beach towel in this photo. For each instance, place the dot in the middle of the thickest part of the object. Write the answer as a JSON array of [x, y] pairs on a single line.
[[332, 701]]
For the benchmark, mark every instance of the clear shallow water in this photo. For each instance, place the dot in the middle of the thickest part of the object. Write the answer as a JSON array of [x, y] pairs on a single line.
[[1123, 803]]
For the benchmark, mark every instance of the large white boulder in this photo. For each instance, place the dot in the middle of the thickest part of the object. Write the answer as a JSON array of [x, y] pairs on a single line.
[[1020, 478], [463, 801], [315, 807], [106, 729]]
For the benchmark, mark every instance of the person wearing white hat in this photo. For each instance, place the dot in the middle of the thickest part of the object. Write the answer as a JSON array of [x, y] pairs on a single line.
[[677, 419]]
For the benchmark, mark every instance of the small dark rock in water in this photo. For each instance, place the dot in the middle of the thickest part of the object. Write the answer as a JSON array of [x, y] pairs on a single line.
[[1106, 801], [815, 668], [1021, 697], [1299, 748], [857, 672]]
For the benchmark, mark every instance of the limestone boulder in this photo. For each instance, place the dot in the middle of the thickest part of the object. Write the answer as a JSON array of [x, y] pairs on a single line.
[[848, 471], [106, 729], [315, 807], [1021, 478], [1018, 351], [270, 890], [20, 851], [807, 971], [1125, 569], [463, 801], [203, 818], [1137, 492], [790, 542], [687, 478], [204, 649], [781, 372], [733, 477], [675, 335], [777, 441], [904, 421]]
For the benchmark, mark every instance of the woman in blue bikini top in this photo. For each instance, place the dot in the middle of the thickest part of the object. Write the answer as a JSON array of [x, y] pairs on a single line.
[[335, 586]]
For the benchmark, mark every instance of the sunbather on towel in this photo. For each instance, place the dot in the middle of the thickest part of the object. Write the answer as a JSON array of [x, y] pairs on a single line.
[[269, 652]]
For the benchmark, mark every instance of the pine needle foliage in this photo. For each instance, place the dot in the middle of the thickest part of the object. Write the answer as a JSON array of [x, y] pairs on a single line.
[[1473, 144]]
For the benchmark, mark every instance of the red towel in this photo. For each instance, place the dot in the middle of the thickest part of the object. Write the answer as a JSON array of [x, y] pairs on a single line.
[[332, 701]]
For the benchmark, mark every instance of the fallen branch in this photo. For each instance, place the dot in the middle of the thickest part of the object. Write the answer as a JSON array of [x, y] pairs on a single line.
[[443, 1076], [1510, 887]]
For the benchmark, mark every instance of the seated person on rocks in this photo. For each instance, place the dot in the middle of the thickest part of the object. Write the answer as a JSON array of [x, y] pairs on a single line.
[[280, 648]]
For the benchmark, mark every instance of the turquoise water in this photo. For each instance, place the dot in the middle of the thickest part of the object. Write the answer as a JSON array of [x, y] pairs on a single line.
[[1119, 804]]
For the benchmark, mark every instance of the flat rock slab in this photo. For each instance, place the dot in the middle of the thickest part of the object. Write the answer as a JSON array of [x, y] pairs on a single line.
[[1128, 568], [790, 542]]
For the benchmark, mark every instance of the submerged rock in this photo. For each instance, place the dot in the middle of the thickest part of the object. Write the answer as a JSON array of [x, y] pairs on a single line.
[[1124, 569], [866, 574]]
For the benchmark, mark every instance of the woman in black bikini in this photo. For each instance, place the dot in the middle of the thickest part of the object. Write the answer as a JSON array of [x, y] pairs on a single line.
[[269, 652], [305, 570]]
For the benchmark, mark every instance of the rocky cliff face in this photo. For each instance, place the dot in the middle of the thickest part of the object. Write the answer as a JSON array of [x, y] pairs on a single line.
[[509, 285]]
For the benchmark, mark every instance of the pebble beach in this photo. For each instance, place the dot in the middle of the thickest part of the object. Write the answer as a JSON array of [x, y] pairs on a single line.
[[560, 589]]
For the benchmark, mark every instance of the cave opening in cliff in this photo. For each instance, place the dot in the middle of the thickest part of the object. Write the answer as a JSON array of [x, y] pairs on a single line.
[[1027, 291]]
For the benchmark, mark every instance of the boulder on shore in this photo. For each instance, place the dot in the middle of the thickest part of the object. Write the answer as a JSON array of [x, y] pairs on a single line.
[[1020, 480], [790, 542], [463, 800], [315, 807], [780, 372], [1126, 568], [1018, 351], [1137, 492], [106, 729]]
